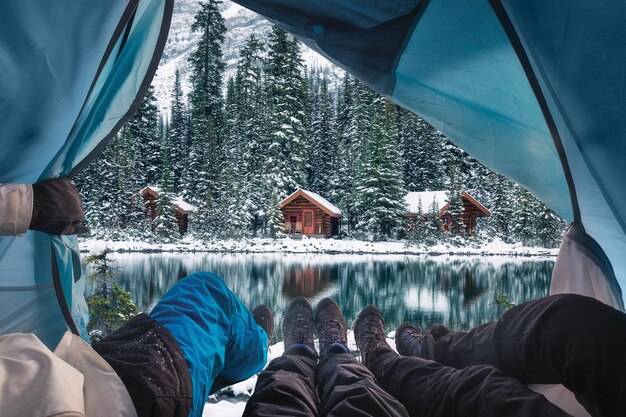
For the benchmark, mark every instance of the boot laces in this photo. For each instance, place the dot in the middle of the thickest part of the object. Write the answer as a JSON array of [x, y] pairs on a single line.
[[300, 329], [331, 332]]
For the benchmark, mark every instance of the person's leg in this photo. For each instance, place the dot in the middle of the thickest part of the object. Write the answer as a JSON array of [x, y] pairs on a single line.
[[287, 386], [569, 339], [346, 387], [215, 331], [427, 388], [133, 350]]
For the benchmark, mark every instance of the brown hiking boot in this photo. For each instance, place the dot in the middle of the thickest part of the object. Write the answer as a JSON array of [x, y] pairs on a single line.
[[369, 332], [263, 316], [331, 327], [412, 342], [298, 324]]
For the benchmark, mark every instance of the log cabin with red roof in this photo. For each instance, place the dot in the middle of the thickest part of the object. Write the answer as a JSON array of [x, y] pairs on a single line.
[[306, 213]]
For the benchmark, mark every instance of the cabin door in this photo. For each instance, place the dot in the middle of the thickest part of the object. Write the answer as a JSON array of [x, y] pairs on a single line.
[[307, 222]]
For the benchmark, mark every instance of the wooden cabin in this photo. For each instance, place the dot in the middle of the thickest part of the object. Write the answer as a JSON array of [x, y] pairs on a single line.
[[306, 213], [472, 209], [183, 209]]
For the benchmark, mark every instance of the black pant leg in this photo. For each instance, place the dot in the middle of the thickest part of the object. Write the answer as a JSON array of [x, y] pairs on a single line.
[[148, 360], [569, 339], [285, 388], [429, 389], [348, 389]]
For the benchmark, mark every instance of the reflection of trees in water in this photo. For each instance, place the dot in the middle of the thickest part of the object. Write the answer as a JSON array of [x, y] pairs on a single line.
[[458, 292]]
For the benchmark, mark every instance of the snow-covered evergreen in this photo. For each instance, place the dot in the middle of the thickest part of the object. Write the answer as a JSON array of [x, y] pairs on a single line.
[[455, 204], [287, 152], [165, 226], [177, 141], [322, 138], [143, 134], [379, 203]]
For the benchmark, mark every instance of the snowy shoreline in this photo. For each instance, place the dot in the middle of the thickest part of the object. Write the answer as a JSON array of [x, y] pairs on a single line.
[[317, 246]]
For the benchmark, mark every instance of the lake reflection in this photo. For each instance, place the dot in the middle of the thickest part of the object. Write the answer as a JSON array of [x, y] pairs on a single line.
[[456, 291]]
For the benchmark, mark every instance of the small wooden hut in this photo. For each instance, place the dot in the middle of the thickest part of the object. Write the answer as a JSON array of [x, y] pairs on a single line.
[[309, 214], [472, 209], [183, 209]]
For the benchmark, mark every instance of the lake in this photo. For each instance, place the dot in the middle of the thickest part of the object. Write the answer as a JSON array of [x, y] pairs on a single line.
[[458, 291]]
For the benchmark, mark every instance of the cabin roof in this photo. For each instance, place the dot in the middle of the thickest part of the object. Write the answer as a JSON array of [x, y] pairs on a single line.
[[413, 199], [183, 205], [314, 198], [180, 204]]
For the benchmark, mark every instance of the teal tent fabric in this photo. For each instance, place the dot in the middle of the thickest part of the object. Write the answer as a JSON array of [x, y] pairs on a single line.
[[70, 75], [577, 51], [533, 90]]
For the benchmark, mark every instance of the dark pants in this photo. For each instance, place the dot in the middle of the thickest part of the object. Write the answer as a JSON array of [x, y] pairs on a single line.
[[346, 388], [569, 339], [429, 389], [149, 362]]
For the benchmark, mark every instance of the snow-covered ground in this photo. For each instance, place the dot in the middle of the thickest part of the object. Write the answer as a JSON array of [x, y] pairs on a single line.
[[307, 245], [233, 407]]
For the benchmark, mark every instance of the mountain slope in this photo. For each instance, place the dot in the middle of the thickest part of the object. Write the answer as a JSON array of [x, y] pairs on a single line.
[[240, 22]]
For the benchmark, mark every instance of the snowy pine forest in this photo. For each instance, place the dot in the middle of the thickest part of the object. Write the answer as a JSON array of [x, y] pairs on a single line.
[[234, 148]]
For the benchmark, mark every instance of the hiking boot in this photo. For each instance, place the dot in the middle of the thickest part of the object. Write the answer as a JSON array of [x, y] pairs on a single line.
[[298, 324], [263, 316], [411, 342], [369, 332], [331, 327]]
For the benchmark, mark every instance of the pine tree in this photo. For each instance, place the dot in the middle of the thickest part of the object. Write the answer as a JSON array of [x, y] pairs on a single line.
[[143, 132], [522, 227], [207, 68], [197, 188], [250, 132], [322, 140], [429, 174], [107, 187], [235, 219], [275, 222], [410, 149], [433, 224], [380, 202], [342, 179], [455, 203], [177, 141], [287, 153], [110, 306], [419, 228], [549, 226], [501, 207], [165, 225], [203, 182], [358, 106]]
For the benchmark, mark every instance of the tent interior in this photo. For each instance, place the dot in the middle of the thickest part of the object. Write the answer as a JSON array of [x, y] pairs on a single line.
[[532, 89]]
